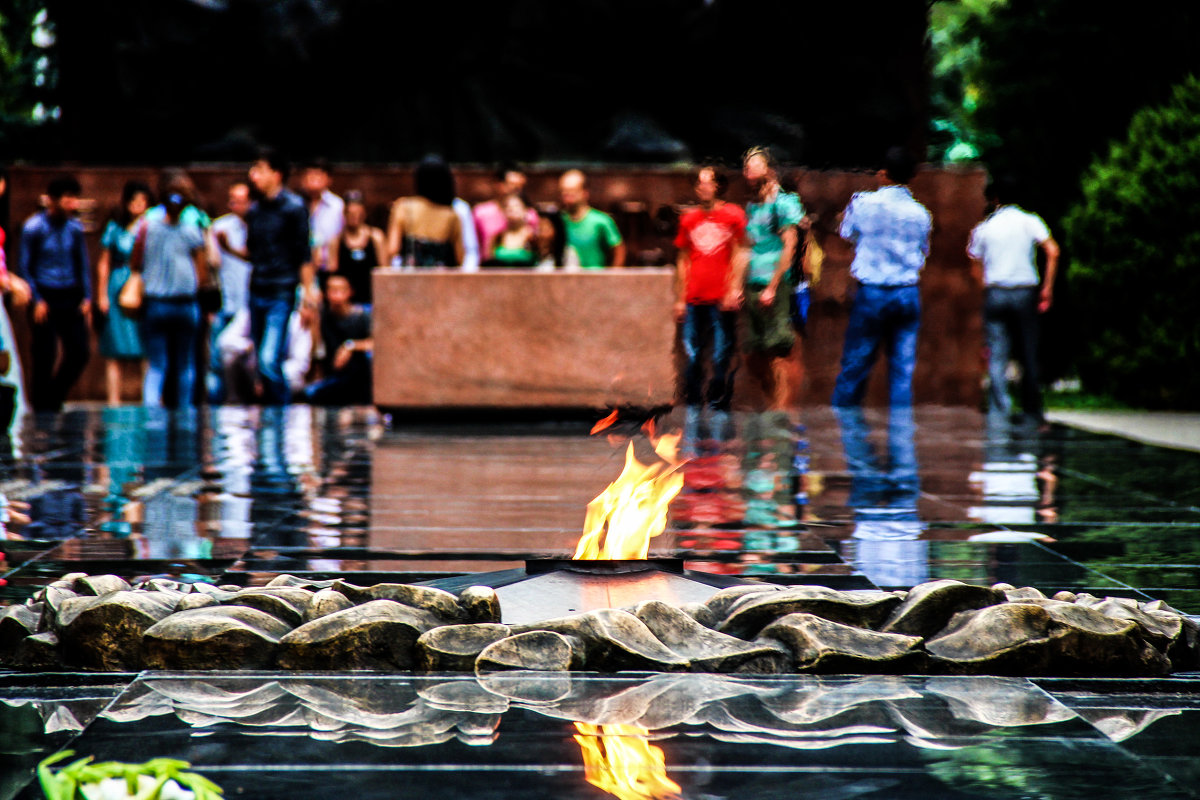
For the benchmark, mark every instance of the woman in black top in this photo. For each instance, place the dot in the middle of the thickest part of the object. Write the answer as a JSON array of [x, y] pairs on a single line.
[[424, 230], [360, 248]]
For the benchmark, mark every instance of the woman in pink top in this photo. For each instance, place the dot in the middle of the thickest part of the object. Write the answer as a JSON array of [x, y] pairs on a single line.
[[490, 219]]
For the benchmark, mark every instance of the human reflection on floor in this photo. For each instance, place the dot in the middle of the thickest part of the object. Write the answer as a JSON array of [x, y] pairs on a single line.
[[884, 489], [194, 487], [1018, 478], [745, 493]]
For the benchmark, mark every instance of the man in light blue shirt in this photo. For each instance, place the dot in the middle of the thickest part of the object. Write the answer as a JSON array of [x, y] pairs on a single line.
[[890, 233]]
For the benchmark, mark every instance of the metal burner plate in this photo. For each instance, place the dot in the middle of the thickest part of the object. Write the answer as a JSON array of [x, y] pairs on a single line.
[[562, 593]]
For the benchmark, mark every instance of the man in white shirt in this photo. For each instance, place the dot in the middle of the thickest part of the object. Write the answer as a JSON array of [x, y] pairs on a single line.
[[1003, 250], [229, 232], [326, 211]]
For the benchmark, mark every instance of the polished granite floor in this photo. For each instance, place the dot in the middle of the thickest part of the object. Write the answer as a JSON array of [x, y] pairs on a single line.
[[846, 500]]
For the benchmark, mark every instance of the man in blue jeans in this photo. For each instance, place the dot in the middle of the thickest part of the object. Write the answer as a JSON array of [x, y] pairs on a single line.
[[1003, 256], [277, 247], [706, 298], [890, 233], [54, 262]]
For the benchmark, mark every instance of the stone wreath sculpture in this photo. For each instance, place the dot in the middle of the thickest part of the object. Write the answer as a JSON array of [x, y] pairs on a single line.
[[945, 627]]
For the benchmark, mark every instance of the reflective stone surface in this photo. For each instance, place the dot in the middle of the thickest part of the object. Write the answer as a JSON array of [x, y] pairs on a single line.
[[523, 735], [241, 495]]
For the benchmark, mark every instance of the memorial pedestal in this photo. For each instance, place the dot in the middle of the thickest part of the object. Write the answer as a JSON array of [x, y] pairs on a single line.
[[517, 339]]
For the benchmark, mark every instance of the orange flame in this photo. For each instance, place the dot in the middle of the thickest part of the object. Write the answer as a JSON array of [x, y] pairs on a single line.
[[619, 760], [607, 422], [623, 518]]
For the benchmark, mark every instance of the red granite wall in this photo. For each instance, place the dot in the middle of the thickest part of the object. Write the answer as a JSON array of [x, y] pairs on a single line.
[[949, 366]]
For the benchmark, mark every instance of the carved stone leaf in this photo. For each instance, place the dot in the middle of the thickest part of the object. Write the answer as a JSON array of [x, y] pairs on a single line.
[[41, 651], [455, 648], [720, 603], [96, 585], [325, 602], [1045, 638], [435, 601], [1160, 628], [379, 634], [216, 637], [51, 600], [480, 604], [819, 645], [303, 583], [928, 607], [17, 622], [284, 603], [166, 585], [105, 633], [537, 650], [615, 640], [754, 612], [707, 650]]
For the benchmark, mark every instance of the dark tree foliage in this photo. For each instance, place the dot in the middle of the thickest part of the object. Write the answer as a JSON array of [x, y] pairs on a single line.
[[28, 75], [1136, 243], [1062, 78], [1059, 80], [384, 80]]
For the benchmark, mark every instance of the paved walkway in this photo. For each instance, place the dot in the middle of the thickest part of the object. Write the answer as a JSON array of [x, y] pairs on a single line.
[[1165, 428]]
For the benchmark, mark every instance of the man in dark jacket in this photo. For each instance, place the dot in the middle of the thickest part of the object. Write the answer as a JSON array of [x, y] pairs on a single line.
[[54, 261], [277, 245]]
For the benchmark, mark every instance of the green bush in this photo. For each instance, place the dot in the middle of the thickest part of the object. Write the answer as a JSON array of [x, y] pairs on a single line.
[[1134, 243]]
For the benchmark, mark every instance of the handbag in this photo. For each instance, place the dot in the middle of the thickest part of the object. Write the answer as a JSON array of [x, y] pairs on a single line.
[[812, 254], [132, 294]]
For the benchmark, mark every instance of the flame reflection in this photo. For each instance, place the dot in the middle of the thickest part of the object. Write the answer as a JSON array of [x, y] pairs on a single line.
[[619, 760]]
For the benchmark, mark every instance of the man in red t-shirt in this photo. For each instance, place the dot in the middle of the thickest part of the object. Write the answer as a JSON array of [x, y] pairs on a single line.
[[707, 296]]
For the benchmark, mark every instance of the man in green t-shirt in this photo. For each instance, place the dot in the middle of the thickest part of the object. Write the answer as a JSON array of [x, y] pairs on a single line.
[[593, 241]]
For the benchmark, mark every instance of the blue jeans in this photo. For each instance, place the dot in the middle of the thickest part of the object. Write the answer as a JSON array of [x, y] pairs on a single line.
[[269, 316], [214, 381], [876, 483], [702, 324], [1010, 324], [346, 387], [170, 327], [65, 326], [881, 315]]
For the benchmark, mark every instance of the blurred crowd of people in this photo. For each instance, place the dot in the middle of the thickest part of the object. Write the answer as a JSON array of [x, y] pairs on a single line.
[[271, 301], [747, 273]]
